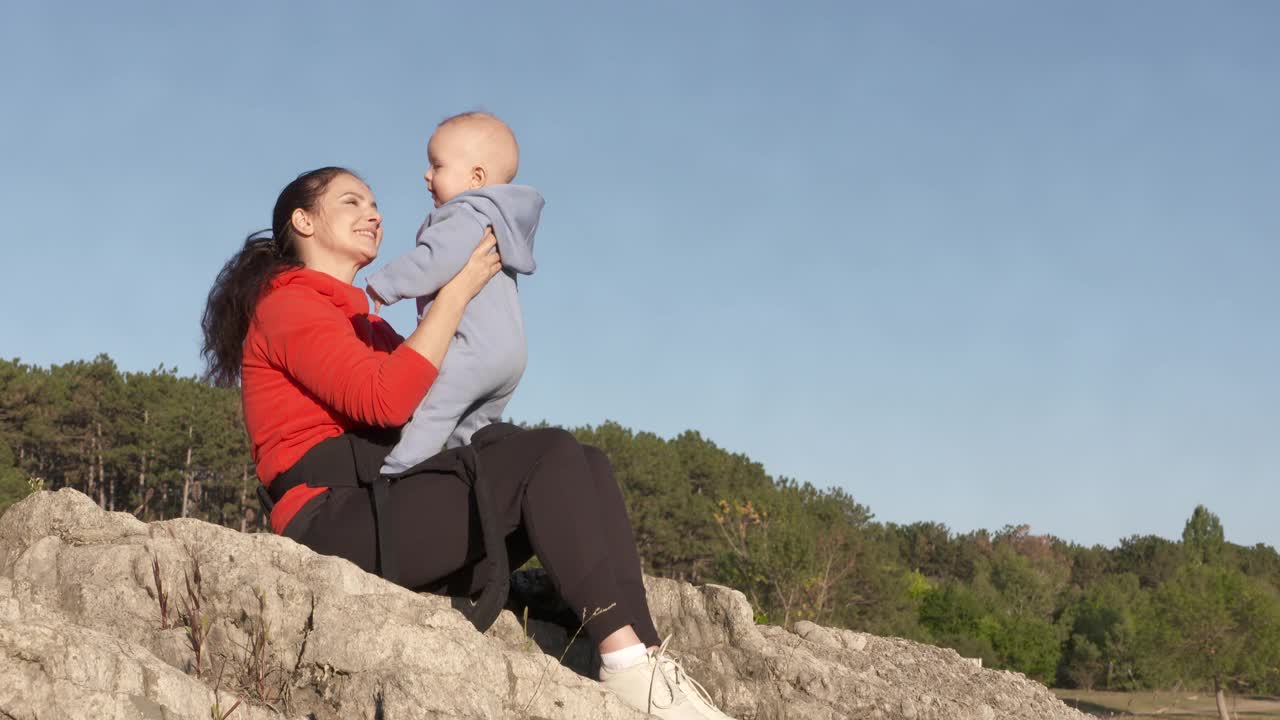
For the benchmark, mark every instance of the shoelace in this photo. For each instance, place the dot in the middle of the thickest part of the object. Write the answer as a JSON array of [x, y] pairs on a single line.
[[680, 675]]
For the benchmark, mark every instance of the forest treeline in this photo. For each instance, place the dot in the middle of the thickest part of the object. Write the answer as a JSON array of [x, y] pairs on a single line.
[[1150, 613]]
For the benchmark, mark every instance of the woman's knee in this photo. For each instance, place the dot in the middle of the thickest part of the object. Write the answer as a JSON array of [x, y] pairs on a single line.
[[607, 488], [597, 461], [557, 441], [560, 458]]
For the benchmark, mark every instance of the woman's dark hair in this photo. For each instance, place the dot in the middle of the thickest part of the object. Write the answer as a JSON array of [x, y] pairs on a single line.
[[236, 292]]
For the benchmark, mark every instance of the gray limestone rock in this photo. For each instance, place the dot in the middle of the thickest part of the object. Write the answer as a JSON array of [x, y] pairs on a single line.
[[289, 633]]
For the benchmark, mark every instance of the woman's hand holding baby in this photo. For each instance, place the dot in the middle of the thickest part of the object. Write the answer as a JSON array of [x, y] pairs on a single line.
[[436, 329], [484, 263]]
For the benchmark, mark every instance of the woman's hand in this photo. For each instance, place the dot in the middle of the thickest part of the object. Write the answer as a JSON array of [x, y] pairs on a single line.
[[484, 263], [436, 329]]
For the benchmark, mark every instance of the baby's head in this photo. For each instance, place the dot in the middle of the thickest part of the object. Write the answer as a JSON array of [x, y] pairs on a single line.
[[470, 151]]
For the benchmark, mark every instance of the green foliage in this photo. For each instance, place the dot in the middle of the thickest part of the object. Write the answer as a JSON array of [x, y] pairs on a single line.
[[1089, 565], [155, 444], [1084, 663], [1099, 621], [1029, 645], [13, 484], [1027, 584], [1202, 538], [7, 459], [673, 523], [1213, 626], [953, 611], [13, 487], [918, 586], [952, 615], [1153, 559], [1258, 561]]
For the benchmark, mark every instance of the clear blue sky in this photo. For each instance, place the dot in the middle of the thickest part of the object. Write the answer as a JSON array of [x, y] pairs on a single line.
[[980, 263]]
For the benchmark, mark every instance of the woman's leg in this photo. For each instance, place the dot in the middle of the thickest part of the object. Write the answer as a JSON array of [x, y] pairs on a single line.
[[558, 509], [621, 542], [435, 525], [541, 483]]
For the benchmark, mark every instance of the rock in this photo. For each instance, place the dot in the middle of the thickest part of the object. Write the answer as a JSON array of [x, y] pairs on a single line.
[[290, 633]]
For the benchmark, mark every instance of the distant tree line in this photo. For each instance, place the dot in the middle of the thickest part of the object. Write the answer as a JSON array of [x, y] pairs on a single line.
[[1151, 613]]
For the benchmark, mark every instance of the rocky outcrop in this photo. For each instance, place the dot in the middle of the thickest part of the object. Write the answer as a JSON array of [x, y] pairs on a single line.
[[289, 633]]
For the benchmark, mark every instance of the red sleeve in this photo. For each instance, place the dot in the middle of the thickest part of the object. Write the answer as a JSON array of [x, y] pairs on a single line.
[[316, 345]]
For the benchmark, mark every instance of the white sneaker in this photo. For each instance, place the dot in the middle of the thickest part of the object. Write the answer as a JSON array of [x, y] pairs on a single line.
[[659, 686]]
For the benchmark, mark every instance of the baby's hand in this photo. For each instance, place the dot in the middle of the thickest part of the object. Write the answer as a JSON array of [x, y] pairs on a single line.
[[373, 295]]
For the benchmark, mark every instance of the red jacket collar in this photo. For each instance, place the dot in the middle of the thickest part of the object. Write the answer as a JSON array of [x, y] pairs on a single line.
[[345, 296]]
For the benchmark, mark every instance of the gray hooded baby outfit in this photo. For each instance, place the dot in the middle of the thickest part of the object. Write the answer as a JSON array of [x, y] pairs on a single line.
[[487, 355]]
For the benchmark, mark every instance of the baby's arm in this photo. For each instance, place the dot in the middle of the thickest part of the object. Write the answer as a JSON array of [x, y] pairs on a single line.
[[444, 245]]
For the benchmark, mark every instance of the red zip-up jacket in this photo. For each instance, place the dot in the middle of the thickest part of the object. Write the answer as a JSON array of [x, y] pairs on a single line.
[[317, 364]]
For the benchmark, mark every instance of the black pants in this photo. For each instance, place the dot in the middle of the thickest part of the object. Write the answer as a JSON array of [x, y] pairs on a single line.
[[558, 500]]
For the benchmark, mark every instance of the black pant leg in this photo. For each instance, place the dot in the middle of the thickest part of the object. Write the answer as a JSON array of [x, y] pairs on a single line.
[[469, 580], [559, 510], [621, 541], [435, 527]]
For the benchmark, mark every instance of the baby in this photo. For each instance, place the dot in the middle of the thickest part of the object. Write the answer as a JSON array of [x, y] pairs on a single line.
[[473, 159]]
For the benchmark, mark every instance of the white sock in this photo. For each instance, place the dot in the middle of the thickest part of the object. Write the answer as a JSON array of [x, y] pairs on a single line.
[[620, 660]]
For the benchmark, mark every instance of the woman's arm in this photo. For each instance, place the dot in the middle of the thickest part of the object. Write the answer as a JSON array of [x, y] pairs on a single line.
[[299, 332], [313, 342]]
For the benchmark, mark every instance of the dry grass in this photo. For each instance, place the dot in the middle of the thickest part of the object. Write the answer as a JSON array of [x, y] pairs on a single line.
[[257, 675], [524, 712], [1173, 705]]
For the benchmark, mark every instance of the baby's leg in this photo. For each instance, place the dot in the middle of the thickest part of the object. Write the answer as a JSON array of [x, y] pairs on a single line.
[[486, 412], [434, 421]]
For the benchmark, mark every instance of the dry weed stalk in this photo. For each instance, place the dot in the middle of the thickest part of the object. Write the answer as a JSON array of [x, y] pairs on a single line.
[[162, 596], [216, 712], [259, 666], [192, 616], [547, 667]]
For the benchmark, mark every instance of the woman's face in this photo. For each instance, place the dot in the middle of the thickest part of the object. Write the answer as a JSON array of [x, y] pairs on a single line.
[[346, 224]]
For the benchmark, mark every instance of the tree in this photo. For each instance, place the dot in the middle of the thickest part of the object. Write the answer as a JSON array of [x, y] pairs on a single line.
[[1214, 626], [1030, 645], [1259, 561], [673, 527], [1202, 538], [1099, 622], [955, 617], [13, 484], [928, 548], [1089, 565], [1153, 559]]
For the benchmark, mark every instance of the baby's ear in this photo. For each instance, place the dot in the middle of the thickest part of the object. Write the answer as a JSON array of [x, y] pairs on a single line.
[[478, 177]]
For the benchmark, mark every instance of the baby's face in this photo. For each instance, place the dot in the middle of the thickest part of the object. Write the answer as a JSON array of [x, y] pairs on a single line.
[[451, 164]]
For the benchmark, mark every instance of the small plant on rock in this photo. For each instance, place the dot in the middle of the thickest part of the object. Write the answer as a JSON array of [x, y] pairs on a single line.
[[193, 617], [216, 712], [264, 676], [162, 596]]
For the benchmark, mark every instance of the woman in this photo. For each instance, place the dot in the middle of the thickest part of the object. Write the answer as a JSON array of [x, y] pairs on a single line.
[[325, 384]]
